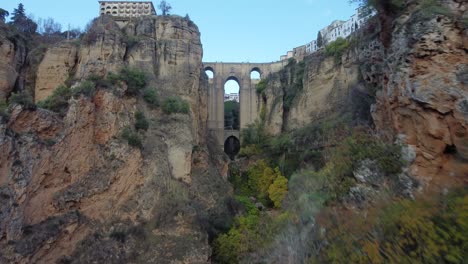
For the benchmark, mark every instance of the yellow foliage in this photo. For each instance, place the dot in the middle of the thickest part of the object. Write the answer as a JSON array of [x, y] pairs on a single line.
[[278, 190]]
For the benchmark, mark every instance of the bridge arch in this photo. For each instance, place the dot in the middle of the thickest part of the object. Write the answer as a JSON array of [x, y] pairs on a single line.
[[232, 146], [210, 72], [250, 102], [255, 73]]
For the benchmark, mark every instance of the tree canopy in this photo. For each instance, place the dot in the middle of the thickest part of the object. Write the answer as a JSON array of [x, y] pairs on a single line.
[[3, 14], [165, 7], [21, 21]]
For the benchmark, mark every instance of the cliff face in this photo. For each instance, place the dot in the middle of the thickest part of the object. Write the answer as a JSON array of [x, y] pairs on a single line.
[[13, 52], [421, 84], [73, 190], [308, 91], [424, 96]]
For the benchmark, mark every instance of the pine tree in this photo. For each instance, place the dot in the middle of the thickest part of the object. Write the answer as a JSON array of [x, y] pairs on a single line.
[[3, 14], [18, 14], [319, 40], [21, 21]]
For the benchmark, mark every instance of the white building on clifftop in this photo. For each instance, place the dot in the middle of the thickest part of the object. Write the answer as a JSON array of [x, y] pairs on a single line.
[[127, 8], [335, 30]]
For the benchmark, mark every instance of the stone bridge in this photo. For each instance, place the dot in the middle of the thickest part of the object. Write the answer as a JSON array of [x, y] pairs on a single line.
[[248, 98]]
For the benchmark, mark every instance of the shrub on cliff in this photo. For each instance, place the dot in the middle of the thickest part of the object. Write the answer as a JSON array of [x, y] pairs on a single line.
[[86, 88], [427, 230], [132, 137], [151, 97], [134, 78], [261, 86], [58, 100], [141, 123], [23, 98], [4, 109], [337, 48], [175, 104]]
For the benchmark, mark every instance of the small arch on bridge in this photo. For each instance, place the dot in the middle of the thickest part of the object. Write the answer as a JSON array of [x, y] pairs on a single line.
[[210, 72], [232, 146], [255, 74], [232, 85]]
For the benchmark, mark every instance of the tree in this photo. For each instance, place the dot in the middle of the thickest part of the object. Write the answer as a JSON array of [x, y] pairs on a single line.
[[48, 26], [278, 190], [18, 13], [165, 7], [319, 40], [22, 22], [3, 14]]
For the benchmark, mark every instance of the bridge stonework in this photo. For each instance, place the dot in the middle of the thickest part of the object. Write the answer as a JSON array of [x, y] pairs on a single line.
[[248, 98]]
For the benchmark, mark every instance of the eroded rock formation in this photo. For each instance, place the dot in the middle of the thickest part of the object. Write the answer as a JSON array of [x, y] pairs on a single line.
[[73, 190]]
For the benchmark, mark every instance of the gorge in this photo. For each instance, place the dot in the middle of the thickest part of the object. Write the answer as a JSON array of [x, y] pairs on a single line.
[[112, 146]]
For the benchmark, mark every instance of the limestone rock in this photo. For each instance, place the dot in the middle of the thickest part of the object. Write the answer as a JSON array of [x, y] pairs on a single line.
[[13, 56], [425, 97], [76, 174], [55, 68], [368, 172]]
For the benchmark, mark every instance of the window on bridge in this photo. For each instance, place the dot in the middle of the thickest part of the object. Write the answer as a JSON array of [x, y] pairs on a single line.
[[255, 74], [210, 73], [231, 105]]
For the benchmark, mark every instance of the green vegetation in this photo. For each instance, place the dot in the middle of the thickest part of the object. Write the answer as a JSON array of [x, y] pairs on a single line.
[[252, 231], [132, 137], [151, 97], [23, 98], [426, 230], [4, 110], [389, 7], [134, 78], [337, 48], [278, 189], [58, 100], [175, 104], [261, 86], [297, 70], [429, 8], [86, 88], [141, 123], [231, 114]]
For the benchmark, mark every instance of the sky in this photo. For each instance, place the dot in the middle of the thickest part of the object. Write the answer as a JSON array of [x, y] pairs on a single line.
[[231, 30]]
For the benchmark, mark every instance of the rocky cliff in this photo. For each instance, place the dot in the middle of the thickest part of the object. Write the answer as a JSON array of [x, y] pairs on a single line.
[[13, 52], [72, 190], [415, 89], [424, 94]]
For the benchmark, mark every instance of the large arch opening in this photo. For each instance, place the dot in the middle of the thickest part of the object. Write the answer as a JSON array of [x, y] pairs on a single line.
[[209, 72], [232, 147], [255, 74], [232, 104]]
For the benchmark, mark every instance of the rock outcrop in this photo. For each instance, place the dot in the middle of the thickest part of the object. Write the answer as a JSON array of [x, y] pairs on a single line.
[[55, 69], [13, 52], [73, 190], [421, 86], [424, 97]]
